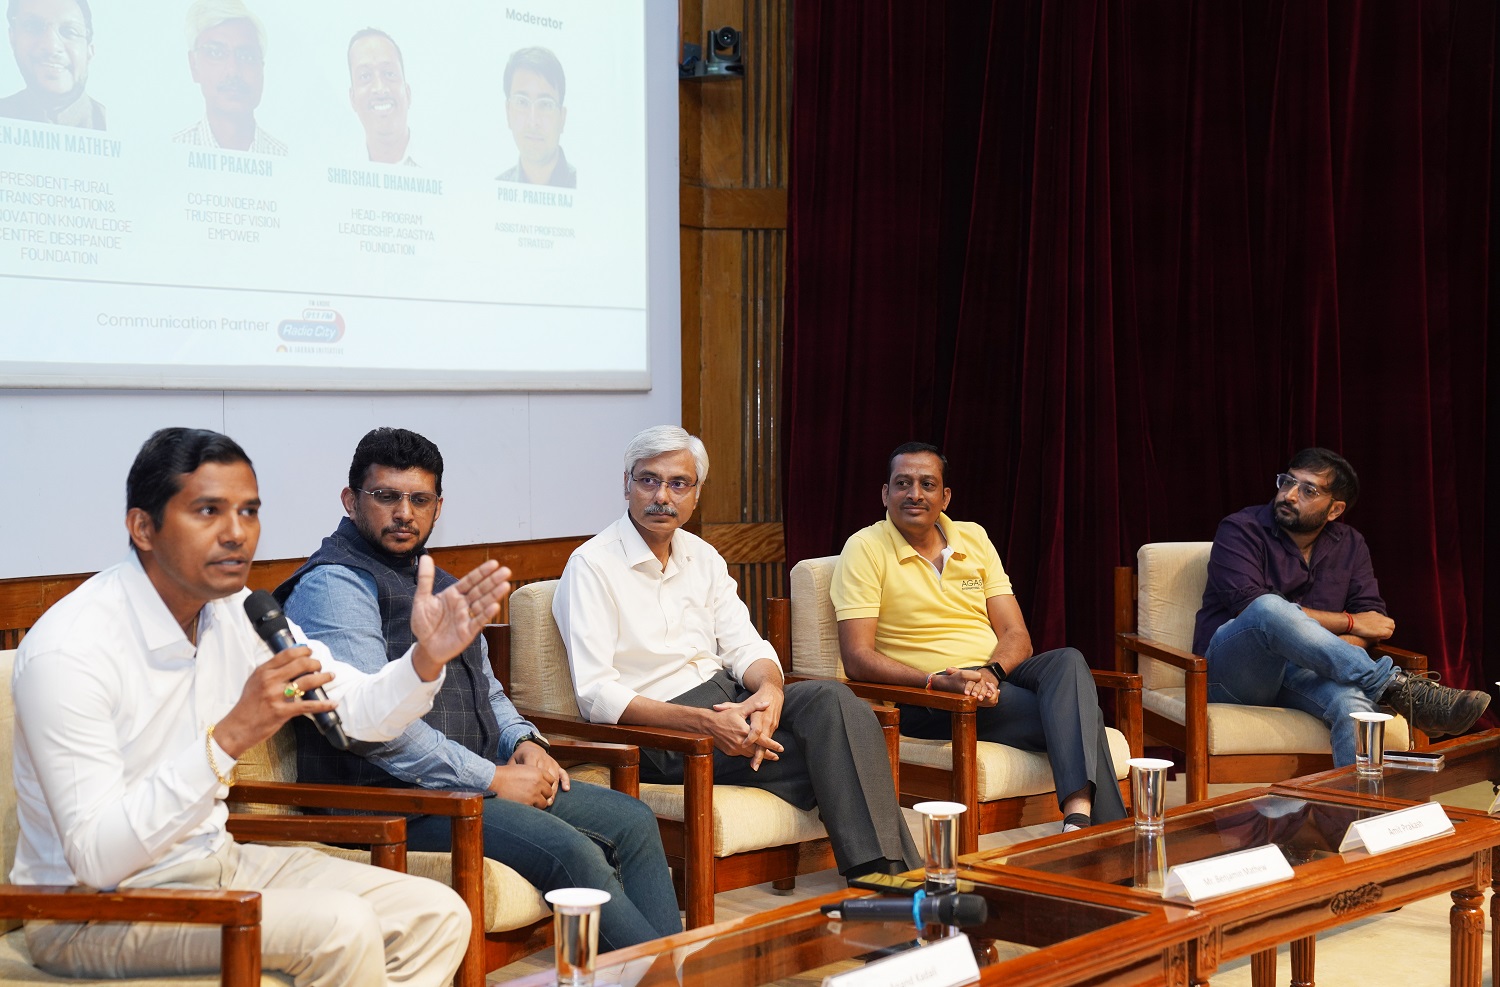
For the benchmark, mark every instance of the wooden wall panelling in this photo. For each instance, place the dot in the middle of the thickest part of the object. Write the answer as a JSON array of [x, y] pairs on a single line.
[[733, 166], [24, 600]]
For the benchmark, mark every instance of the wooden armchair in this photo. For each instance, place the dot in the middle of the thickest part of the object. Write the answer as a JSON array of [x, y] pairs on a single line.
[[237, 912], [1003, 787], [1155, 608], [510, 918], [717, 837]]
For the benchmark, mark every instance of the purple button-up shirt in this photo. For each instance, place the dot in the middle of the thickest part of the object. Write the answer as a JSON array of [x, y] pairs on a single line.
[[1253, 556]]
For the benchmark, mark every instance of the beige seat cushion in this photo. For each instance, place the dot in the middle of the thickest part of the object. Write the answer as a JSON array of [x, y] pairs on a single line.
[[1172, 576], [510, 901], [1004, 772], [1234, 729], [744, 818]]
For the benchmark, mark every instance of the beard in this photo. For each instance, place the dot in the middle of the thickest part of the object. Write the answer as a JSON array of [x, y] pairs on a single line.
[[1288, 519], [375, 538]]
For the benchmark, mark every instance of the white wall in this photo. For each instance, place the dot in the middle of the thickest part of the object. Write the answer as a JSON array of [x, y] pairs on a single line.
[[517, 465]]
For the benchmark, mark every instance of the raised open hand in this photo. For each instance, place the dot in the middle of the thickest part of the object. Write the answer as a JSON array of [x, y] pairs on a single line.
[[444, 623]]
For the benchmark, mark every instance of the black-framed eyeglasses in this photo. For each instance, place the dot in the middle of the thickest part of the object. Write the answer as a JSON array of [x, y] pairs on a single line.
[[420, 501], [651, 484], [1286, 481]]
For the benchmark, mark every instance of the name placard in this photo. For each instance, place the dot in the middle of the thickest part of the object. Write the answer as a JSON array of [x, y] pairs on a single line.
[[1238, 871], [944, 963], [1397, 829]]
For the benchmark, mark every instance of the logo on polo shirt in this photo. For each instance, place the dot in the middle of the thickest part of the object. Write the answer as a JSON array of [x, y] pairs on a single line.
[[971, 584]]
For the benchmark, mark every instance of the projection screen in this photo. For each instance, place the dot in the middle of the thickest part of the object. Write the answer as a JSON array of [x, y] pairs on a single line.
[[339, 195]]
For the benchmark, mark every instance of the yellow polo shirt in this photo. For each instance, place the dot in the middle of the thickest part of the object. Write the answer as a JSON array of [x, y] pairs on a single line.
[[925, 620]]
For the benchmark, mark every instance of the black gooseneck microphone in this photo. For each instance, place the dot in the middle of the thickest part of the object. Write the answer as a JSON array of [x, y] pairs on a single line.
[[270, 623], [922, 909]]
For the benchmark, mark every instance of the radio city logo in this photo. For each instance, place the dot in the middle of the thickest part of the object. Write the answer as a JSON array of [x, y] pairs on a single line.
[[317, 325]]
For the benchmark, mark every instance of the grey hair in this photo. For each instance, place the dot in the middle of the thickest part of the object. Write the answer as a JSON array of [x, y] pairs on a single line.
[[661, 439], [206, 14]]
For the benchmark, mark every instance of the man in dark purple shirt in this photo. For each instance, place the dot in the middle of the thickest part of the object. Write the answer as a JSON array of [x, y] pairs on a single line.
[[1291, 605]]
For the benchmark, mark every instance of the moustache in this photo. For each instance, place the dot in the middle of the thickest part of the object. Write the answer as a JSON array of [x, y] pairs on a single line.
[[233, 87], [400, 529], [666, 509]]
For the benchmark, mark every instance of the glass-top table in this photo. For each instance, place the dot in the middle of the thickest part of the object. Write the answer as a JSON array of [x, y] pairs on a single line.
[[1467, 780], [1329, 888], [1034, 934]]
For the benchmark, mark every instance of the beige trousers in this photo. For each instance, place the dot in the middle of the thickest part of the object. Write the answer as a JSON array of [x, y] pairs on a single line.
[[323, 921]]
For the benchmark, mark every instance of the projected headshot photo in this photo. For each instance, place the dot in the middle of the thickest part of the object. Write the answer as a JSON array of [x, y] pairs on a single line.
[[379, 93], [53, 41], [534, 111], [227, 59]]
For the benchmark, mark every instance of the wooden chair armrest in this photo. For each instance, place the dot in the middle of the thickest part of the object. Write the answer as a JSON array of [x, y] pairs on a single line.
[[652, 738], [1184, 660], [624, 761], [79, 904], [887, 716], [411, 801], [260, 827], [593, 750], [911, 695], [1127, 681], [1412, 661], [237, 913]]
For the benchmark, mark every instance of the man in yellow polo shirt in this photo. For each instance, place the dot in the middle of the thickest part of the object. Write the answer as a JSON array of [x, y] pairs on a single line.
[[923, 600]]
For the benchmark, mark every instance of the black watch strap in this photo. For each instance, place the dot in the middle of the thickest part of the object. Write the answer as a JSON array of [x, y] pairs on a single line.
[[537, 739], [997, 670]]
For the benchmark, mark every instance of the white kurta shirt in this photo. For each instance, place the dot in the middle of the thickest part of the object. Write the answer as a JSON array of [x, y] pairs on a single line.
[[113, 705], [634, 629]]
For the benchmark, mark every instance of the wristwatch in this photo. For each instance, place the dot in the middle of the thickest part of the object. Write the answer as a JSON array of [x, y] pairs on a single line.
[[995, 669], [537, 739]]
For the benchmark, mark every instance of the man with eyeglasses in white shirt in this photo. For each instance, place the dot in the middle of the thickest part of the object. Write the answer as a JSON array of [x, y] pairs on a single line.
[[227, 57], [1291, 607], [657, 635], [534, 111]]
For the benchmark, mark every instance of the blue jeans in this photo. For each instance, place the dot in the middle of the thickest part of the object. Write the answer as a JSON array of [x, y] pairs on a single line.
[[1273, 654], [591, 837]]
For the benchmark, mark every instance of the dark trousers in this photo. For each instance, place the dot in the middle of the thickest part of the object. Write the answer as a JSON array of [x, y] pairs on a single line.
[[834, 759], [1049, 704]]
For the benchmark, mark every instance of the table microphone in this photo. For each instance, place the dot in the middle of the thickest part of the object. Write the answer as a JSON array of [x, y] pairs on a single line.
[[270, 623], [923, 909]]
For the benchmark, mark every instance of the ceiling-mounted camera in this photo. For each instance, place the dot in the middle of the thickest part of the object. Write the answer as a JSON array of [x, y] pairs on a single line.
[[722, 60]]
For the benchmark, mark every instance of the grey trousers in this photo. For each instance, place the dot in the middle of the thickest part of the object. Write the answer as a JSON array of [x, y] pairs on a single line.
[[323, 920], [834, 759], [1047, 703]]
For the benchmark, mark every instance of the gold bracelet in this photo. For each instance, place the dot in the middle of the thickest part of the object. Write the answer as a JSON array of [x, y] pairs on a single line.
[[213, 764]]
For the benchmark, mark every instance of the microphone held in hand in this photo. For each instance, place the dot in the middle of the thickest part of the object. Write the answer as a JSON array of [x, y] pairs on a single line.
[[270, 623], [939, 909]]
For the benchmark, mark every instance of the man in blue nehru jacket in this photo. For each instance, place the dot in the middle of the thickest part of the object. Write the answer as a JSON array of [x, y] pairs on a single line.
[[355, 594], [1291, 605]]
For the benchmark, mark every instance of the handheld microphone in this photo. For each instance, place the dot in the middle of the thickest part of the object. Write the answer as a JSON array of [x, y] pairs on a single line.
[[924, 909], [270, 623]]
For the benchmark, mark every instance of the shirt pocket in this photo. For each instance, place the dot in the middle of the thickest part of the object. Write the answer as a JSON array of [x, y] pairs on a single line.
[[696, 629]]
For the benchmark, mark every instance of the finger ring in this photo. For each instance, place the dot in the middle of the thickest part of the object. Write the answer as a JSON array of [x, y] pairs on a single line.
[[291, 692]]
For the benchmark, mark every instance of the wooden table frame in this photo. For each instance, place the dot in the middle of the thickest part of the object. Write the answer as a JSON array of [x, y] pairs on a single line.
[[1325, 894], [1150, 949], [1459, 750]]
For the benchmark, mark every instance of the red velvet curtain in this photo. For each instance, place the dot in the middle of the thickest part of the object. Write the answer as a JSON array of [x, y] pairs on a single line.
[[1122, 258]]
